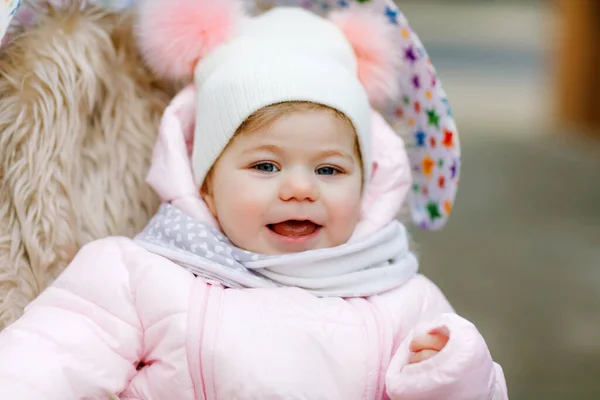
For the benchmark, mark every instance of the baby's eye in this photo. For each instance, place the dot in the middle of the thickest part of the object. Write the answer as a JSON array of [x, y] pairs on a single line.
[[328, 170], [266, 167]]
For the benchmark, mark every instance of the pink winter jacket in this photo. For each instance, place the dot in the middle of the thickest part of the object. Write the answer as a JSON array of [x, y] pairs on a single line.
[[122, 321]]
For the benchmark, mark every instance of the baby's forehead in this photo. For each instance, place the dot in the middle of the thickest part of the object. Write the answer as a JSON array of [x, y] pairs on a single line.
[[301, 133], [322, 123]]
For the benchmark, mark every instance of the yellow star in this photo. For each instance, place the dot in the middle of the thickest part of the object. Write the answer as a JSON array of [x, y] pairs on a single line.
[[428, 94], [405, 33], [411, 122]]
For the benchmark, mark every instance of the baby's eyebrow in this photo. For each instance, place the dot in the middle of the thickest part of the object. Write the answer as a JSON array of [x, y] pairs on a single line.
[[266, 147], [334, 153]]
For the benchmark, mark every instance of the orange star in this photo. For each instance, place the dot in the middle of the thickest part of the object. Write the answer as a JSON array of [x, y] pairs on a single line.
[[411, 122], [448, 207], [432, 142], [428, 165]]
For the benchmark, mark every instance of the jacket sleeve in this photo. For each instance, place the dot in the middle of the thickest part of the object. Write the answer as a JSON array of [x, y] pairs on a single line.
[[81, 338], [463, 370]]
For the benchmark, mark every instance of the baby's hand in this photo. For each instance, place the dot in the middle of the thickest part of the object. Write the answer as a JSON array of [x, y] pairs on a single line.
[[426, 346]]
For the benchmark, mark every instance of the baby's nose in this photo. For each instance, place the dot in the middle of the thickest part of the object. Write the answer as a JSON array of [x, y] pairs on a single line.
[[300, 186]]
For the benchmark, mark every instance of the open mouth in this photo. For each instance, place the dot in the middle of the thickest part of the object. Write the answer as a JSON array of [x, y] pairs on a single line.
[[294, 228]]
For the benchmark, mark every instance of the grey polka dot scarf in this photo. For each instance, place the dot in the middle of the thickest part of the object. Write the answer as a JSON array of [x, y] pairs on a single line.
[[372, 266]]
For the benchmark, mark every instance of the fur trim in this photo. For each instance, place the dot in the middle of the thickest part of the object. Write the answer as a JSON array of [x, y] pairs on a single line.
[[78, 120], [174, 35], [377, 52]]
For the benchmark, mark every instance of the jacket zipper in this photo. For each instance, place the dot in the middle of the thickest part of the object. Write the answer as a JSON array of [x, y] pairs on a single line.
[[212, 313], [378, 330], [374, 339], [195, 336]]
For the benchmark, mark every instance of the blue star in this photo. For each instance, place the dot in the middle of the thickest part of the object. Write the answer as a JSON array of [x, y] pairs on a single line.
[[343, 3], [448, 109], [420, 136], [392, 15]]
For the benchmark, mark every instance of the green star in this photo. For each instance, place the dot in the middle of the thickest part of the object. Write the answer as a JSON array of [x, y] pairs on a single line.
[[415, 187], [434, 118], [406, 100], [441, 163], [433, 210]]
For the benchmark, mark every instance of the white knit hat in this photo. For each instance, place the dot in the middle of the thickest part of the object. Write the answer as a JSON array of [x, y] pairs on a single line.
[[287, 54]]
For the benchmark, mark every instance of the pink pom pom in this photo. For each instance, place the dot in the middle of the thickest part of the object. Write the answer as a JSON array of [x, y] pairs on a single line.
[[174, 34], [376, 51]]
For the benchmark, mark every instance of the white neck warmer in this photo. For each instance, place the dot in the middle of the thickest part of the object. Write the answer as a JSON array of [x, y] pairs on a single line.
[[373, 265]]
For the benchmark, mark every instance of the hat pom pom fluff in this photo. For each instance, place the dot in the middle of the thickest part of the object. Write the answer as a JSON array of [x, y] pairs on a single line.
[[376, 51], [174, 35]]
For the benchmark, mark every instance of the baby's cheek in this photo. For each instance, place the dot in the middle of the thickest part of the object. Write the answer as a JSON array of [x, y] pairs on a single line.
[[245, 211], [344, 214]]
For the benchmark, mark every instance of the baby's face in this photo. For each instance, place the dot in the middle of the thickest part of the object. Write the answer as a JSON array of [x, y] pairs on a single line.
[[290, 187]]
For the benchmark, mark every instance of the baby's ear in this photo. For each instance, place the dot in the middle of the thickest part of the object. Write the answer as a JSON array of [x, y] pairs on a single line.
[[209, 200], [174, 34], [377, 52], [206, 193]]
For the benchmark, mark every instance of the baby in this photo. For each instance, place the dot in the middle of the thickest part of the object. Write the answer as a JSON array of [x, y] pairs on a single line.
[[275, 268]]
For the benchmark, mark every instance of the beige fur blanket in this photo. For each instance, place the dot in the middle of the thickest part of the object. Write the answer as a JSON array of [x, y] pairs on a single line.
[[78, 117]]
